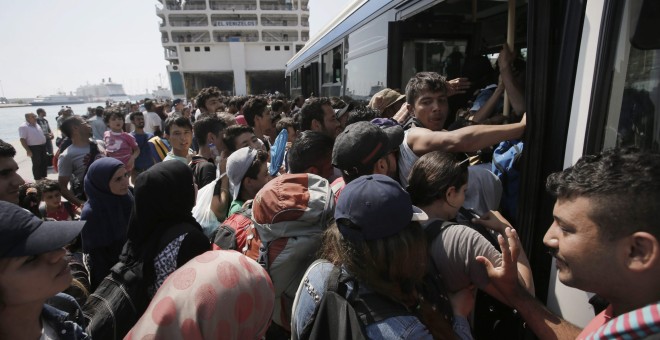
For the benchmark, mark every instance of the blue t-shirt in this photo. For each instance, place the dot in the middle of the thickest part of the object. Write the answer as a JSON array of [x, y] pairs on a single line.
[[144, 160]]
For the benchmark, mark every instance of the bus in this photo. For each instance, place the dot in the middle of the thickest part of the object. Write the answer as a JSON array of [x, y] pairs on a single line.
[[592, 76]]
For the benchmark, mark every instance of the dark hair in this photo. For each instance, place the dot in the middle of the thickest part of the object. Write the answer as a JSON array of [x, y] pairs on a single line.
[[178, 120], [69, 123], [131, 116], [29, 200], [40, 110], [361, 113], [309, 150], [277, 105], [254, 107], [112, 112], [312, 110], [48, 185], [6, 149], [253, 171], [424, 81], [208, 124], [284, 123], [205, 94], [148, 105], [623, 186], [232, 132], [433, 174], [337, 103], [384, 265]]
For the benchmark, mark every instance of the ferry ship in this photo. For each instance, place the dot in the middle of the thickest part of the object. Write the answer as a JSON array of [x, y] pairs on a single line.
[[58, 99], [105, 91], [240, 46]]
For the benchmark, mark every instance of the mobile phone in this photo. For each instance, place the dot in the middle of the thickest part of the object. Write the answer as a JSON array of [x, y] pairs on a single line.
[[468, 213]]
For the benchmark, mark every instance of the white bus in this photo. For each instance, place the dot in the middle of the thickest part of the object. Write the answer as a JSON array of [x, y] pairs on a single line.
[[593, 69]]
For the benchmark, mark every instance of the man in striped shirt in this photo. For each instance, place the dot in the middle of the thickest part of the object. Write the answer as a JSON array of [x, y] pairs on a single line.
[[605, 239]]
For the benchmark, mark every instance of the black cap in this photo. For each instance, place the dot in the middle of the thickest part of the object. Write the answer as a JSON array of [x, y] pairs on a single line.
[[361, 144], [23, 234]]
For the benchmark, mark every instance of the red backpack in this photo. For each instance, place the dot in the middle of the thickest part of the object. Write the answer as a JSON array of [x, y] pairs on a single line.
[[237, 233]]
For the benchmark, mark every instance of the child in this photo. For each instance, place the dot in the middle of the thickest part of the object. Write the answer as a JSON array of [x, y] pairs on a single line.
[[53, 207], [29, 197], [119, 144]]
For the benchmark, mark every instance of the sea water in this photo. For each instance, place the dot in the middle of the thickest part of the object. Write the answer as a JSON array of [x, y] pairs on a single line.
[[12, 117]]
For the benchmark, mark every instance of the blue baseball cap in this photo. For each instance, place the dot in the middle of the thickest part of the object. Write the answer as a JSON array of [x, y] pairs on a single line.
[[23, 234], [377, 206]]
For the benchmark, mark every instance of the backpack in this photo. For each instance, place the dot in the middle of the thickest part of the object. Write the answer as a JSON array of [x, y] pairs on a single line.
[[233, 233], [340, 315], [505, 165], [78, 187], [290, 214], [159, 148], [122, 297]]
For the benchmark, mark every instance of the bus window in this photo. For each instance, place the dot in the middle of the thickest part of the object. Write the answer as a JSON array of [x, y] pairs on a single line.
[[366, 75], [443, 56], [634, 110]]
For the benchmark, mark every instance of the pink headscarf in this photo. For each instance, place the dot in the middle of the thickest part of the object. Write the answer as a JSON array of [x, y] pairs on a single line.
[[221, 294]]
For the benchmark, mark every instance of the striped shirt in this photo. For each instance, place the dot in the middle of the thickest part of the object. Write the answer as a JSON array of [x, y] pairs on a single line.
[[637, 324]]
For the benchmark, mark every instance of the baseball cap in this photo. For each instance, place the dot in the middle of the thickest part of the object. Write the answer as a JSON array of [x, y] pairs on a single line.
[[23, 234], [377, 206], [177, 101], [238, 163], [384, 99], [361, 144]]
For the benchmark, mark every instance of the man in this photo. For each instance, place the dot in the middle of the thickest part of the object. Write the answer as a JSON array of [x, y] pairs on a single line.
[[74, 161], [33, 141], [239, 136], [152, 121], [317, 115], [209, 131], [177, 106], [10, 180], [311, 153], [365, 149], [257, 115], [144, 161], [426, 96], [247, 170], [99, 126], [605, 239], [208, 102], [178, 131], [45, 127]]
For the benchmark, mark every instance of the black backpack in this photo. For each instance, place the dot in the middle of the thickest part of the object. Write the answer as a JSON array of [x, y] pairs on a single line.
[[340, 315]]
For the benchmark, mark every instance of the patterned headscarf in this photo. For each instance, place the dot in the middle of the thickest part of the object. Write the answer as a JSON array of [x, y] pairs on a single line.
[[220, 294]]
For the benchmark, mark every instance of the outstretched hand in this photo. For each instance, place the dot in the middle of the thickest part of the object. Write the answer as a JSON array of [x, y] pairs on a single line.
[[493, 220], [457, 86], [505, 277]]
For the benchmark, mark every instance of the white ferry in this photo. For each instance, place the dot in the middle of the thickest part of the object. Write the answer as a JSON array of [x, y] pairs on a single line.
[[58, 99], [240, 46], [105, 91]]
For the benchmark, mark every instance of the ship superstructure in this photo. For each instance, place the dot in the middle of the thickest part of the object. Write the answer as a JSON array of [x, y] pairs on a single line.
[[240, 46]]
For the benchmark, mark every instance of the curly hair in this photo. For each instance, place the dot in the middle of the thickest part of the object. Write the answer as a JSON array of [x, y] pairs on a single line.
[[424, 81], [205, 94]]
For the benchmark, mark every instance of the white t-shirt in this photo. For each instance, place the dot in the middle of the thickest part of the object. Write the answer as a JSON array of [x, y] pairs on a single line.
[[151, 120]]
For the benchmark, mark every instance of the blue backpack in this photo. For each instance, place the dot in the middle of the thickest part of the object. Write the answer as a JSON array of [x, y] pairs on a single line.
[[506, 157]]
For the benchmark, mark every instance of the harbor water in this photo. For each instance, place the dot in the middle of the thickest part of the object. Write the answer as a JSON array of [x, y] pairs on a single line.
[[12, 117]]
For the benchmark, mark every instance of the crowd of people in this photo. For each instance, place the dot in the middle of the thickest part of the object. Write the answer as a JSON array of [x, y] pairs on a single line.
[[367, 197]]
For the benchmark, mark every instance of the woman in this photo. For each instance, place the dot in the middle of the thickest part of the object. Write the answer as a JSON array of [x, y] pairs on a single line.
[[33, 268], [107, 210], [379, 242], [162, 231], [235, 305], [437, 184]]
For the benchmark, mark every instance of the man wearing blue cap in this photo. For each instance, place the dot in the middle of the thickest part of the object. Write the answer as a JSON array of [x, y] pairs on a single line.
[[33, 268]]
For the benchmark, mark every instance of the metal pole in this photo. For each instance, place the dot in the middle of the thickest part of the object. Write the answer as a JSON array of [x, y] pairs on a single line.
[[510, 40]]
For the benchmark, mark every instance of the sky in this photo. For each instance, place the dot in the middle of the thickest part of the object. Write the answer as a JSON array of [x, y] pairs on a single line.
[[50, 46]]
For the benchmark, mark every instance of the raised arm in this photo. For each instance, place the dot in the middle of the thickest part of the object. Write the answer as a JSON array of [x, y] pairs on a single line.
[[538, 318], [514, 91]]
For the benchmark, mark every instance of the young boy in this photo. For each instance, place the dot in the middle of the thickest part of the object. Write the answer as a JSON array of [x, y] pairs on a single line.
[[144, 161], [52, 206], [178, 130], [119, 144]]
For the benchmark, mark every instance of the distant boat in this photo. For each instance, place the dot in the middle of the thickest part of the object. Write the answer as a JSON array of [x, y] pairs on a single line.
[[58, 99], [106, 91]]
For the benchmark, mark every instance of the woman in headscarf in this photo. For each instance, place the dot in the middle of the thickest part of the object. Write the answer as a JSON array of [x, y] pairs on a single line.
[[162, 231], [220, 294], [107, 211]]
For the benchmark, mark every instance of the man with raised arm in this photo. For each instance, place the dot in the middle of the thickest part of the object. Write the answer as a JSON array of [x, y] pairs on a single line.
[[605, 239]]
